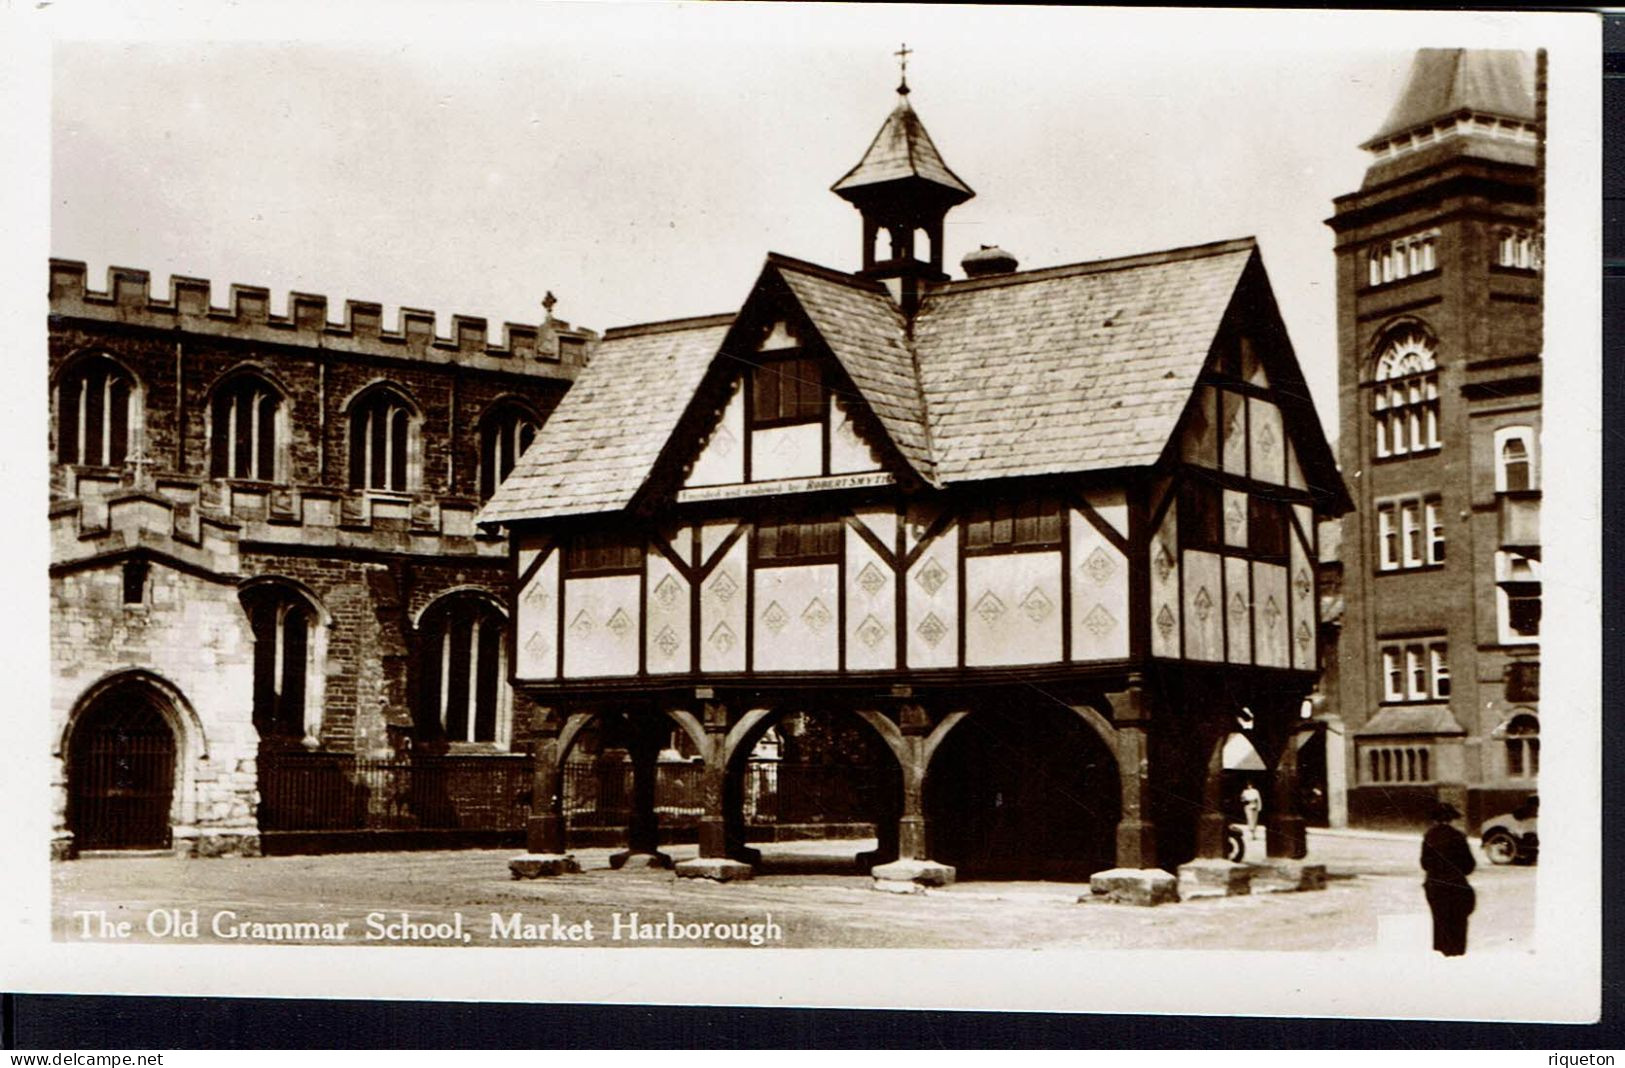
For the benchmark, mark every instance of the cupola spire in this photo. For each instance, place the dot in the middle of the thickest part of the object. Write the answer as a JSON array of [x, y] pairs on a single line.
[[903, 188]]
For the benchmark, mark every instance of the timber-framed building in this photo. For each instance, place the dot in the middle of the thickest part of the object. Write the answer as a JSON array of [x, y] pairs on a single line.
[[1050, 534]]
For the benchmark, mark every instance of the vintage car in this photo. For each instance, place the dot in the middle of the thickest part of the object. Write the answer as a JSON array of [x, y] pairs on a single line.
[[1511, 838]]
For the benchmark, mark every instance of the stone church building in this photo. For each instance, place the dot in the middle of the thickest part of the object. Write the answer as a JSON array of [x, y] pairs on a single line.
[[264, 560], [1439, 297], [1048, 535]]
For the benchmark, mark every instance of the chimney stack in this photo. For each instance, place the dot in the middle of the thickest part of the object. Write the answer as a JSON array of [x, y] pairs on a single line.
[[988, 260]]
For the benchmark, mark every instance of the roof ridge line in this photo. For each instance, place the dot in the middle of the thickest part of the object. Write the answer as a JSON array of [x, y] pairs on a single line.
[[1141, 259], [779, 259], [668, 326]]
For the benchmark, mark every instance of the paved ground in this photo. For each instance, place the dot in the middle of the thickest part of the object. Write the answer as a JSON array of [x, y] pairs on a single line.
[[1374, 897]]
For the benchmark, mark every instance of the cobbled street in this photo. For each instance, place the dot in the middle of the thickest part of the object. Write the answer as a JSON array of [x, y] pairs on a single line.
[[1373, 897]]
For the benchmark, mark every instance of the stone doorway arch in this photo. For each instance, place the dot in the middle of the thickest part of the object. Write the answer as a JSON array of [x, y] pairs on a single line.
[[124, 762]]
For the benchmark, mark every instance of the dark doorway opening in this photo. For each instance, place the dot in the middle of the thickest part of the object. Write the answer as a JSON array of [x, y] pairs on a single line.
[[1023, 793], [122, 772]]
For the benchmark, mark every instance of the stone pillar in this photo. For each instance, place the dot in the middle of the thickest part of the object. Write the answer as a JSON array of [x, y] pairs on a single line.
[[1284, 834], [544, 833], [1136, 831]]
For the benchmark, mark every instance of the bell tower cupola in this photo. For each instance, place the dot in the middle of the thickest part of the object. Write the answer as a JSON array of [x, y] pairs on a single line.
[[903, 190]]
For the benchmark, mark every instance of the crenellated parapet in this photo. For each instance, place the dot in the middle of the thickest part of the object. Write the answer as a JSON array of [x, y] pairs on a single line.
[[552, 349]]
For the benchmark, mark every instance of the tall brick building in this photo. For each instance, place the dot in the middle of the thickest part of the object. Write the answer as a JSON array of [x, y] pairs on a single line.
[[263, 546], [1439, 326]]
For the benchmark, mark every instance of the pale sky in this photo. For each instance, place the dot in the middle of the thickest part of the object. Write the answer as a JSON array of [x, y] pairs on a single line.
[[641, 160]]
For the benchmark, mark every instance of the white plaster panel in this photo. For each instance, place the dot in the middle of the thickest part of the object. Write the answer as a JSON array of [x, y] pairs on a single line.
[[668, 643], [1013, 609], [1233, 431], [1112, 506], [918, 521], [871, 608], [1294, 473], [713, 534], [797, 625], [722, 612], [1306, 523], [848, 453], [526, 549], [1163, 567], [1267, 442], [882, 523], [722, 460], [1199, 439], [1204, 608], [787, 452], [932, 590], [601, 626], [537, 636], [778, 338], [1238, 611], [1304, 621], [1235, 518], [1270, 620], [1100, 623]]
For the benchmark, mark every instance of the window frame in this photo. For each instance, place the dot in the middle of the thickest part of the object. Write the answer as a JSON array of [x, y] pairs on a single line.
[[113, 373], [817, 539], [593, 553], [266, 445], [806, 409], [399, 439], [1415, 670], [506, 425], [1410, 533], [1002, 521], [481, 671], [1523, 434]]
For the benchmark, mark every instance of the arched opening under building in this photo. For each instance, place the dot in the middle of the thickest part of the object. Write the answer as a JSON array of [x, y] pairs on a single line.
[[811, 789], [1023, 792], [122, 770]]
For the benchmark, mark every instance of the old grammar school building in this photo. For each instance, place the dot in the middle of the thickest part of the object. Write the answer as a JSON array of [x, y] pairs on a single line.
[[1010, 556]]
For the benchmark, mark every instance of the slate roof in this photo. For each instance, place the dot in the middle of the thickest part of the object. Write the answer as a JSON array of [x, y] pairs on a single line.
[[867, 334], [1447, 81], [1071, 368], [597, 447], [902, 149], [1063, 370]]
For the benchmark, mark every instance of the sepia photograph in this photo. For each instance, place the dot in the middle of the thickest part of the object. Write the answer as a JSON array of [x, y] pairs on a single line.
[[812, 487]]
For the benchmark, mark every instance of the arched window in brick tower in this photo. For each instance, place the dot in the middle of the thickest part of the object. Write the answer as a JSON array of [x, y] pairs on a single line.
[[505, 433], [383, 436], [287, 649], [246, 430], [1405, 398], [463, 689], [98, 409]]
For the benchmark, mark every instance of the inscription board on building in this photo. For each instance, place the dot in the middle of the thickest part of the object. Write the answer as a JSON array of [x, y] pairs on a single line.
[[783, 485]]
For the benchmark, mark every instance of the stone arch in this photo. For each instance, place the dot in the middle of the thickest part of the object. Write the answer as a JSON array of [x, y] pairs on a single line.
[[191, 741], [467, 589], [294, 586], [1394, 330]]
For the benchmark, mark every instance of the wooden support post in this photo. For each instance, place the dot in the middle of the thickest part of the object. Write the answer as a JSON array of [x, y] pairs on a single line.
[[1284, 834], [713, 822], [1136, 829], [544, 832]]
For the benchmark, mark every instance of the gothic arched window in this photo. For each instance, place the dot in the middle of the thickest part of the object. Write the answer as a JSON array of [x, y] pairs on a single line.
[[246, 430], [287, 651], [463, 694], [97, 411], [505, 434], [1405, 400], [383, 434]]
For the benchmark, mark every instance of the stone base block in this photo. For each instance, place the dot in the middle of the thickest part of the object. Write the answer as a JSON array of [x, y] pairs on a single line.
[[1214, 878], [1133, 886], [1277, 876], [626, 860], [542, 865], [721, 869], [911, 876]]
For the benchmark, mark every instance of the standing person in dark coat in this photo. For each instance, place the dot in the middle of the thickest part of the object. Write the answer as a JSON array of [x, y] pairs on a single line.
[[1448, 860]]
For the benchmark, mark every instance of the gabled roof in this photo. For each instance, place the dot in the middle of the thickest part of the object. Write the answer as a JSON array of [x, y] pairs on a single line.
[[598, 446], [867, 335], [902, 149], [1058, 371], [1074, 368], [1445, 82]]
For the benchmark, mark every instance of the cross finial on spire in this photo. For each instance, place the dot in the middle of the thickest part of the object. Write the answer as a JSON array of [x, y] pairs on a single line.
[[902, 55]]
